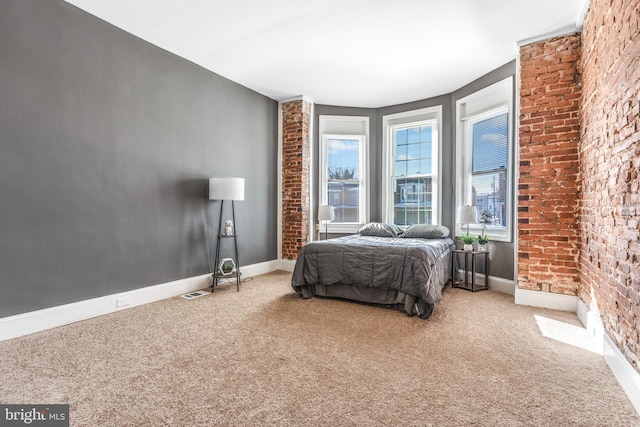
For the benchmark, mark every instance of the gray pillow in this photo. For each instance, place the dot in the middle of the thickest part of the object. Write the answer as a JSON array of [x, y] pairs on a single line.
[[380, 230], [426, 231]]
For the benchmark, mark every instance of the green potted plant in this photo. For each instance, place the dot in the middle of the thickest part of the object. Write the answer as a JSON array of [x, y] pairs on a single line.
[[483, 239], [468, 242]]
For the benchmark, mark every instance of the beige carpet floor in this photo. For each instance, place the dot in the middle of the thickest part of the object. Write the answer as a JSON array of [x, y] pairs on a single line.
[[262, 356]]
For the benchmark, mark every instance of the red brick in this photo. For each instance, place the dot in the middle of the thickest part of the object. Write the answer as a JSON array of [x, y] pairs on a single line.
[[610, 136], [549, 138], [296, 117]]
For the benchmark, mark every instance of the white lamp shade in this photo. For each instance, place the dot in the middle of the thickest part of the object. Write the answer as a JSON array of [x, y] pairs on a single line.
[[226, 189], [326, 213], [467, 215]]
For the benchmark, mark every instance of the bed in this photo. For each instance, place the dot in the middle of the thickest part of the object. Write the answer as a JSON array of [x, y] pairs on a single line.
[[379, 265]]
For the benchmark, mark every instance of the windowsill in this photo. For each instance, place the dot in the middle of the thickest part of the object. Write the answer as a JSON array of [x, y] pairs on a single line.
[[477, 231], [341, 228]]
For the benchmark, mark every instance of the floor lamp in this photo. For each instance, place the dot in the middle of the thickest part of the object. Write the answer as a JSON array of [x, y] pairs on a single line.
[[326, 213], [226, 189]]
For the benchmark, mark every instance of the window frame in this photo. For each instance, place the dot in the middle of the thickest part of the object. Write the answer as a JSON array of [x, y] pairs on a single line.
[[363, 180], [487, 103], [407, 119]]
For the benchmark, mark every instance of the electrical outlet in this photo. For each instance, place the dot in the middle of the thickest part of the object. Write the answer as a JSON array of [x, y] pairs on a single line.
[[123, 301]]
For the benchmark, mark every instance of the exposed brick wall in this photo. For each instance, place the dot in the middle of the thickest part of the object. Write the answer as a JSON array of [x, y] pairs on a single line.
[[549, 133], [610, 169], [296, 145]]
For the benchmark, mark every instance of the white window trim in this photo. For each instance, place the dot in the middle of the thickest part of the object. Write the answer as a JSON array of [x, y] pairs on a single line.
[[463, 184], [346, 227], [391, 121]]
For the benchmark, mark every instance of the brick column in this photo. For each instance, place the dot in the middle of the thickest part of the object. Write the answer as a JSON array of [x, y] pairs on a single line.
[[296, 146], [549, 135]]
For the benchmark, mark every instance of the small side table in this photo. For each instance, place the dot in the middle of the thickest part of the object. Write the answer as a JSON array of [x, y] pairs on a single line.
[[464, 284]]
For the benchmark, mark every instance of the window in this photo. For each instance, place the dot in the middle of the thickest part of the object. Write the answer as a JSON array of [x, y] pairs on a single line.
[[343, 171], [485, 144], [413, 188], [342, 181], [489, 135], [410, 187]]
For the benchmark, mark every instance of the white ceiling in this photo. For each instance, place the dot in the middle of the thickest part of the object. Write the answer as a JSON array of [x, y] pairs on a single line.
[[362, 53]]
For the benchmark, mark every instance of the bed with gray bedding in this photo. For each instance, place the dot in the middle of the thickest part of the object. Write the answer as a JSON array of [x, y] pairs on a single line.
[[406, 269]]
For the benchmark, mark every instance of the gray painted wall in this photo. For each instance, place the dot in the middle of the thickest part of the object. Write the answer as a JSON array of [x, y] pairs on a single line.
[[106, 146], [502, 254]]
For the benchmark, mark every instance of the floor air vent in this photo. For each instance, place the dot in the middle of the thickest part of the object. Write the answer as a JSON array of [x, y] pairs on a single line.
[[196, 294]]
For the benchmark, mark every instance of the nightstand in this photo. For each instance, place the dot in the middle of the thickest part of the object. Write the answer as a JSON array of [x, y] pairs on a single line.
[[469, 258]]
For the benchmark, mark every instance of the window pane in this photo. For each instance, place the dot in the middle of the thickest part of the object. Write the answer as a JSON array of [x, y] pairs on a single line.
[[401, 152], [413, 201], [425, 133], [413, 167], [489, 193], [425, 150], [413, 135], [490, 144], [345, 198], [401, 137], [425, 166], [342, 159], [413, 151]]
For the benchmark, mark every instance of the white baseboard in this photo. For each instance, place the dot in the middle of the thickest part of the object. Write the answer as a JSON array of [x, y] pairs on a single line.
[[627, 376], [498, 284], [546, 300], [261, 268], [590, 319], [40, 320]]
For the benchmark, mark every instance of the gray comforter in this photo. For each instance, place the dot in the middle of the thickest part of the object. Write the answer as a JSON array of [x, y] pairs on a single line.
[[414, 267]]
